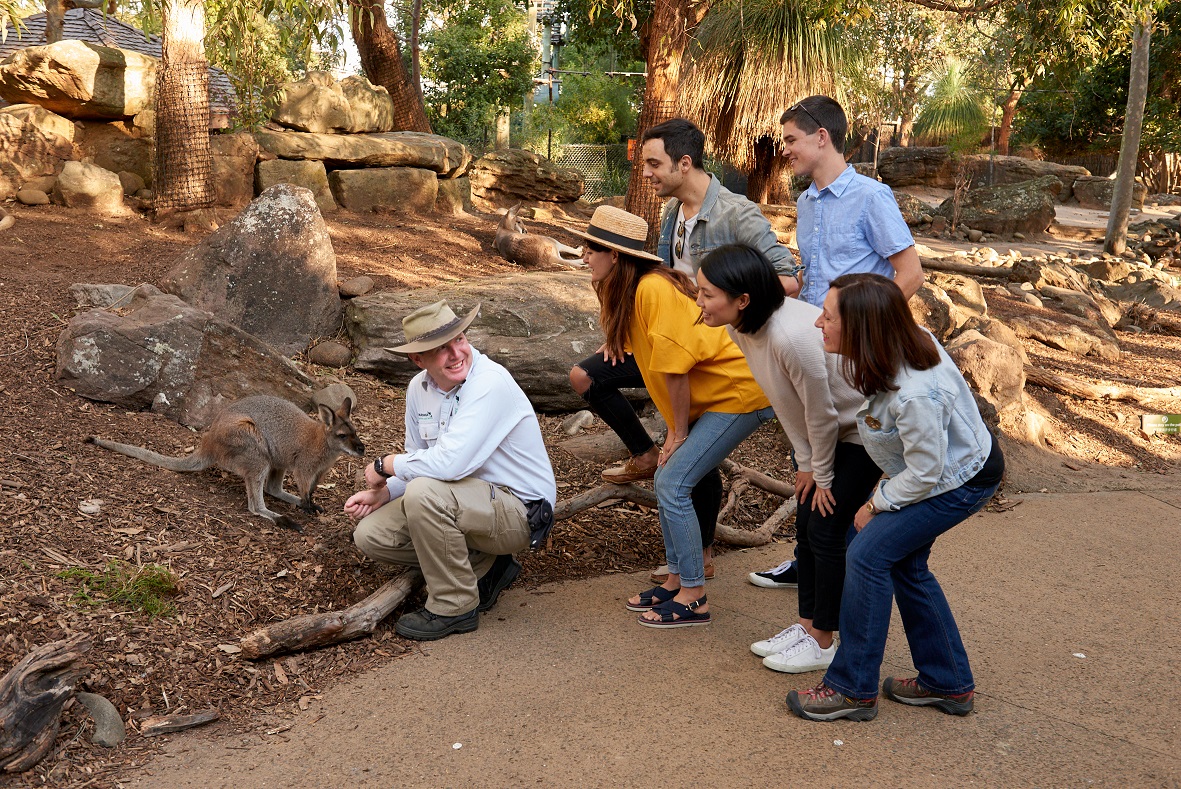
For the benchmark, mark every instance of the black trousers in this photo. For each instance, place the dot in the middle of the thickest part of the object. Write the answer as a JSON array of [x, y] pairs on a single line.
[[604, 398], [821, 540]]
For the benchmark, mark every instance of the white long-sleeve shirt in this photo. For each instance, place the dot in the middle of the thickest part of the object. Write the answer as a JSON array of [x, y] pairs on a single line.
[[484, 428]]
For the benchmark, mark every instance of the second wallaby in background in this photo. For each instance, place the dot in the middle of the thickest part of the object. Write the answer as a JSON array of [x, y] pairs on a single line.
[[260, 439]]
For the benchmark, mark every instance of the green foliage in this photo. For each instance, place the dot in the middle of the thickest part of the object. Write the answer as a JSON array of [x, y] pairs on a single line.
[[1076, 108], [477, 61], [954, 114], [12, 12], [595, 108], [144, 589]]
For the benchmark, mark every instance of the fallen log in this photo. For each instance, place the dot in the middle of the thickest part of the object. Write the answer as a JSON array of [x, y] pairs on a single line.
[[606, 492], [992, 272], [32, 695], [330, 627], [1085, 390]]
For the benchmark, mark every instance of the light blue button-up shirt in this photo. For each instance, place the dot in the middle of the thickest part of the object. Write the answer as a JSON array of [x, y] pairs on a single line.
[[851, 226]]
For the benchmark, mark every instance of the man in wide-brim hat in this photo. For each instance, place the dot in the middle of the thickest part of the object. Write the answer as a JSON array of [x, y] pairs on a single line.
[[473, 487]]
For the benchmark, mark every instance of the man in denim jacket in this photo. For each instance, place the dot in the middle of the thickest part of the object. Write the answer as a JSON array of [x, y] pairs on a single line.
[[701, 214]]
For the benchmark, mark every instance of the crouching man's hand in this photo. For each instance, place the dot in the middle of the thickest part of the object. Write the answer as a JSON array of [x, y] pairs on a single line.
[[366, 501]]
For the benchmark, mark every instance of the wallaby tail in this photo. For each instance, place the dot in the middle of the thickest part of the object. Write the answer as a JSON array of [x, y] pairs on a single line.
[[193, 462]]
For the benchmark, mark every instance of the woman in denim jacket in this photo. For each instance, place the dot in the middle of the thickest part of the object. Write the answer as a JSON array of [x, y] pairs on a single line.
[[921, 426]]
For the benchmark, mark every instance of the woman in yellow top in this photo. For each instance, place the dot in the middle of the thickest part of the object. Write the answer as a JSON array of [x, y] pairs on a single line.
[[698, 380]]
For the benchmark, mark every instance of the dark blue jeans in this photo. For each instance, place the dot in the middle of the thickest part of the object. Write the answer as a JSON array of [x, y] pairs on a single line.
[[889, 558]]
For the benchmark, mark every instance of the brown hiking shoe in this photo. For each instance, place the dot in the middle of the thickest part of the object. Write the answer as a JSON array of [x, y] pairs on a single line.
[[905, 690], [822, 703], [627, 472]]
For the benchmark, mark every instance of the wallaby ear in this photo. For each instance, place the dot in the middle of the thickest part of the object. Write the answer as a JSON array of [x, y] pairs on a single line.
[[327, 415], [346, 408]]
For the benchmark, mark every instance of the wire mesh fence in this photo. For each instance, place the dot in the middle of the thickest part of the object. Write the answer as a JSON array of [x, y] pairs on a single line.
[[604, 168]]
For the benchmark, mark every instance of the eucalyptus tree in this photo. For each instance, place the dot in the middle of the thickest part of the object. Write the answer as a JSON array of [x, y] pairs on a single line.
[[10, 14]]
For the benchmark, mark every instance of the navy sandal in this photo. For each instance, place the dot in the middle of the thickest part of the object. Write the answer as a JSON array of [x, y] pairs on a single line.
[[674, 614], [652, 598]]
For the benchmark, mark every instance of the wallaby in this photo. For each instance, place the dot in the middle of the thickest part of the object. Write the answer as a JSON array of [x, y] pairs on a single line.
[[6, 220], [260, 439], [516, 245]]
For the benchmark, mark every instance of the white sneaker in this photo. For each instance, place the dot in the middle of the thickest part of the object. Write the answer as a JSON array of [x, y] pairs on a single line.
[[779, 642], [803, 656]]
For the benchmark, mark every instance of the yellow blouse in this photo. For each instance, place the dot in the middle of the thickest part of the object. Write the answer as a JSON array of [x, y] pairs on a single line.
[[665, 337]]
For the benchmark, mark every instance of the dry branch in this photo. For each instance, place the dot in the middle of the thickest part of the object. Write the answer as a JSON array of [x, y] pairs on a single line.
[[760, 480], [31, 698], [1085, 390], [165, 724], [992, 272], [597, 495], [761, 535], [330, 627]]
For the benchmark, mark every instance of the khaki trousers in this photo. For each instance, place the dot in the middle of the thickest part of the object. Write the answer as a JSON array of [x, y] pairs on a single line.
[[451, 531]]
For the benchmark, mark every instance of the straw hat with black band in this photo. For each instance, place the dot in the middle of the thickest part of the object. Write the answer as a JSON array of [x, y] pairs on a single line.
[[431, 326], [620, 230]]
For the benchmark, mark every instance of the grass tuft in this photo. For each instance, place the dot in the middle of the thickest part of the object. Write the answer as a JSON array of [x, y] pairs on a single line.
[[146, 589]]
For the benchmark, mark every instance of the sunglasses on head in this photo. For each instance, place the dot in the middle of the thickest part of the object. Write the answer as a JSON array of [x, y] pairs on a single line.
[[799, 105]]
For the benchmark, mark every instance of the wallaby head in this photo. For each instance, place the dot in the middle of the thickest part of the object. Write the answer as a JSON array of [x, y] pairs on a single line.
[[510, 223], [341, 433]]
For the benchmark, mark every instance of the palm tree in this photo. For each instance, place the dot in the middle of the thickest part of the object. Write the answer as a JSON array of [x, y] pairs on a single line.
[[955, 112], [751, 59], [184, 159]]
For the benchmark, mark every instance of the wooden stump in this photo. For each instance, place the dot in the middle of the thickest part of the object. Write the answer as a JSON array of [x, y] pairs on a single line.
[[31, 698]]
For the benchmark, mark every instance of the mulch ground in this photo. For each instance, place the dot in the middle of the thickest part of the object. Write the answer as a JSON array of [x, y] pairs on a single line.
[[66, 504]]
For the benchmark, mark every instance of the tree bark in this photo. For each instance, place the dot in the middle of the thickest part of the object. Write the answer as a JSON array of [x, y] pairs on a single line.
[[330, 627], [1116, 240], [55, 15], [381, 58], [184, 158], [1008, 112], [32, 695], [770, 181], [665, 37], [1085, 390]]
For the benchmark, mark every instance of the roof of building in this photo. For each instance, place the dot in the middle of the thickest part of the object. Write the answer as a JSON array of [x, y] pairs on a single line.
[[88, 24]]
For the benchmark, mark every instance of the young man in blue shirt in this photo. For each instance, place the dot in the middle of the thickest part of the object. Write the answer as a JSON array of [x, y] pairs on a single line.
[[846, 224]]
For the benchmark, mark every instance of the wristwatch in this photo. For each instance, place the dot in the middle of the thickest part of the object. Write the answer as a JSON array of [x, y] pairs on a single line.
[[380, 468], [870, 508]]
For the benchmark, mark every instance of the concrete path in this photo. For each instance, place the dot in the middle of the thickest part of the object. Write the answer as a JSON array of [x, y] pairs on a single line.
[[1069, 604]]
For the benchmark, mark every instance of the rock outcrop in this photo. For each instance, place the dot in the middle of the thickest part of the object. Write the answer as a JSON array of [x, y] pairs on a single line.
[[1026, 207], [431, 152], [504, 178], [321, 105], [78, 79]]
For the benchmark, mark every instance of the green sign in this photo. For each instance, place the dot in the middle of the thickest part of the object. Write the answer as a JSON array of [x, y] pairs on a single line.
[[1160, 423]]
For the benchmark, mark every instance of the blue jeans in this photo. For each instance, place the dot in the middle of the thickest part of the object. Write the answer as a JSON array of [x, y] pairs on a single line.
[[711, 438], [889, 557]]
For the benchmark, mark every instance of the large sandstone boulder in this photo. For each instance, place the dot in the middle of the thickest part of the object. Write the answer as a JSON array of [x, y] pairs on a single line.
[[78, 79], [306, 175], [994, 371], [385, 189], [997, 331], [271, 271], [965, 293], [937, 167], [158, 352], [1094, 192], [455, 195], [536, 325], [321, 105], [1054, 273], [234, 156], [118, 147], [1067, 333], [1026, 208], [441, 155], [34, 142], [507, 177], [89, 187], [933, 310]]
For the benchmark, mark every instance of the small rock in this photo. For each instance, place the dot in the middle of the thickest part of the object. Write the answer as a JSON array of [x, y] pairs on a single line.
[[331, 354], [334, 396], [576, 423], [938, 224], [357, 286], [1032, 300], [974, 235], [87, 295], [1018, 236], [132, 182], [109, 730], [32, 197], [146, 194]]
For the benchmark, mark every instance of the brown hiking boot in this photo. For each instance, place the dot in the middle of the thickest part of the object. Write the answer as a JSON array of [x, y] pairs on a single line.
[[909, 691], [822, 703]]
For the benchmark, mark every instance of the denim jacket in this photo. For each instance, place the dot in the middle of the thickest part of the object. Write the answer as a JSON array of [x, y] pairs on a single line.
[[724, 218], [926, 435]]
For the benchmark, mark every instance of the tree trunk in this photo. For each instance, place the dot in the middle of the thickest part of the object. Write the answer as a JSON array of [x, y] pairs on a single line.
[[770, 181], [184, 159], [665, 38], [1116, 240], [415, 49], [381, 58], [55, 13], [1008, 112], [32, 695]]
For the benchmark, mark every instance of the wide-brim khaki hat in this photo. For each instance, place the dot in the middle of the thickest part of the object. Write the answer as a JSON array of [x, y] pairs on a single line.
[[619, 230], [431, 326]]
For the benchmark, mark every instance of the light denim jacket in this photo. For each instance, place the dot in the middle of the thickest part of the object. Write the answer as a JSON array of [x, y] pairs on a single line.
[[926, 436], [724, 218]]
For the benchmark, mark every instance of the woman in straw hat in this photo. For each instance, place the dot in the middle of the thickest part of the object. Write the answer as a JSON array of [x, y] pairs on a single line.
[[698, 380]]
